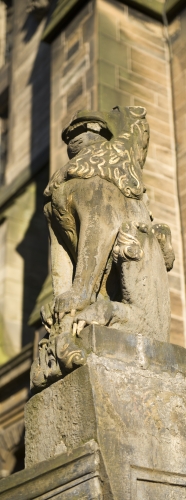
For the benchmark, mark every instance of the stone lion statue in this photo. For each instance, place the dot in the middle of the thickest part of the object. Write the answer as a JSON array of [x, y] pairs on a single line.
[[97, 212]]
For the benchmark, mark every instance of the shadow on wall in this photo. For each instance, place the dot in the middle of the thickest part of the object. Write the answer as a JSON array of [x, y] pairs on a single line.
[[12, 451], [34, 247], [34, 251], [36, 10]]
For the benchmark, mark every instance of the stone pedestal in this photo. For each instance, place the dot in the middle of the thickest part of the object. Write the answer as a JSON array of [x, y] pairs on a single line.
[[78, 475], [129, 404]]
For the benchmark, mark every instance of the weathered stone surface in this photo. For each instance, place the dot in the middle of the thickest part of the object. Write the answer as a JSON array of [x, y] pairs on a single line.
[[157, 9], [131, 402], [14, 390], [109, 262], [79, 475], [156, 484], [146, 67], [142, 50], [22, 268]]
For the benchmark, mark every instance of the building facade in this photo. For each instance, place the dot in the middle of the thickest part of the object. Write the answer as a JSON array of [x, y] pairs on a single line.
[[57, 57]]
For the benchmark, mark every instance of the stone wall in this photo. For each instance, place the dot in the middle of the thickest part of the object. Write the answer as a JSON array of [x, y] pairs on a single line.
[[23, 263], [2, 33], [73, 84], [177, 34], [130, 399], [112, 55], [134, 69], [29, 92], [108, 54], [14, 387], [23, 232]]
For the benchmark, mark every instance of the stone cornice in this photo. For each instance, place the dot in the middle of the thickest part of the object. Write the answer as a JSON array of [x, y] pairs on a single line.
[[158, 8], [65, 9], [55, 476]]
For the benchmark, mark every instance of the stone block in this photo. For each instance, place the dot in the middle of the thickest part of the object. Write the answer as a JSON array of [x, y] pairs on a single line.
[[176, 335], [161, 196], [142, 30], [143, 42], [148, 72], [156, 180], [154, 110], [162, 127], [107, 24], [109, 97], [112, 51], [129, 398], [162, 141], [148, 60], [166, 171], [176, 303], [163, 154], [107, 73], [78, 20], [88, 29], [174, 281], [137, 90], [90, 77], [79, 475], [145, 82], [75, 91]]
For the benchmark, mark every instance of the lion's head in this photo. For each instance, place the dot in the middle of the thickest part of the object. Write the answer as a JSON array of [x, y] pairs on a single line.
[[112, 145]]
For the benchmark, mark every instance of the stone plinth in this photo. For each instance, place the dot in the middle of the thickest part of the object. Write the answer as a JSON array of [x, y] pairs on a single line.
[[126, 409], [130, 398], [79, 475]]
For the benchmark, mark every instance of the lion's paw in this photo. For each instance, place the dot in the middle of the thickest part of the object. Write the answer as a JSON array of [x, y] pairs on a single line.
[[99, 313]]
